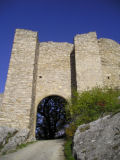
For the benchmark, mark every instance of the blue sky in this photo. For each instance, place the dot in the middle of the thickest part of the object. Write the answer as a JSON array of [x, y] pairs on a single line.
[[55, 20]]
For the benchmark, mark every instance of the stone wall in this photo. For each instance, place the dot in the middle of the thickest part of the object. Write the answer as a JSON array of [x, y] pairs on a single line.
[[88, 62], [38, 70], [18, 98], [54, 70], [1, 98], [110, 59], [54, 74]]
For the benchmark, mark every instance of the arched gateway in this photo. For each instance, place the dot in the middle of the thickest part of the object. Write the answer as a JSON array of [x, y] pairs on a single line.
[[37, 70], [51, 117]]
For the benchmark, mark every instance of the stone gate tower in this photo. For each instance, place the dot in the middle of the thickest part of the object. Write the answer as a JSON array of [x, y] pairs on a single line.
[[38, 70]]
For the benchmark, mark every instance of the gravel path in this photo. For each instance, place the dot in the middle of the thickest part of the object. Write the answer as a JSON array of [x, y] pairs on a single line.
[[41, 150]]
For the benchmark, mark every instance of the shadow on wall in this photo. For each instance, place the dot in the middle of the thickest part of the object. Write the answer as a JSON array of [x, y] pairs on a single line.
[[73, 72]]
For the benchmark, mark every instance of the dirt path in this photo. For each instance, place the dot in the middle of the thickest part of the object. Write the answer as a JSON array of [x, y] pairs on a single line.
[[41, 150]]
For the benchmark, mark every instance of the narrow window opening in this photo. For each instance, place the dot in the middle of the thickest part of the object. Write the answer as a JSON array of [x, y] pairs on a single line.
[[40, 76]]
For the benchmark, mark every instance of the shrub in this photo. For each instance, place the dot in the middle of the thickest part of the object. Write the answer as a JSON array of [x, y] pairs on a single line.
[[90, 105], [71, 130]]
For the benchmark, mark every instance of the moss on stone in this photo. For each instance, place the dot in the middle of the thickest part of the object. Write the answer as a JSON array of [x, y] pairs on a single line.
[[83, 129]]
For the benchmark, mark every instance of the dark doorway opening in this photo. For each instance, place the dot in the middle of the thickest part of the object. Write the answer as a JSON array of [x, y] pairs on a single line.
[[51, 118]]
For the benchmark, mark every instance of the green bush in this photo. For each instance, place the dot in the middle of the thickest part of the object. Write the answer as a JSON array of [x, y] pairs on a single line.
[[90, 105]]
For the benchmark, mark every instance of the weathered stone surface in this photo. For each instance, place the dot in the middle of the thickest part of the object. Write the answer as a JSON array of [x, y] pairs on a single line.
[[110, 60], [98, 140], [19, 138], [88, 62], [5, 134], [10, 138], [41, 69], [54, 73], [1, 98], [19, 89], [54, 69]]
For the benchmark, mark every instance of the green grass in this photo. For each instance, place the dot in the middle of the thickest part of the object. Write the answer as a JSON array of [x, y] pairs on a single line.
[[68, 150]]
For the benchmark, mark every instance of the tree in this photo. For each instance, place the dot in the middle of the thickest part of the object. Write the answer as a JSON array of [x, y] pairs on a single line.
[[50, 117]]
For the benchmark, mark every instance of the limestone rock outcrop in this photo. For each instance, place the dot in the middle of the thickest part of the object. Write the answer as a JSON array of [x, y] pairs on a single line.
[[98, 140], [10, 138]]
